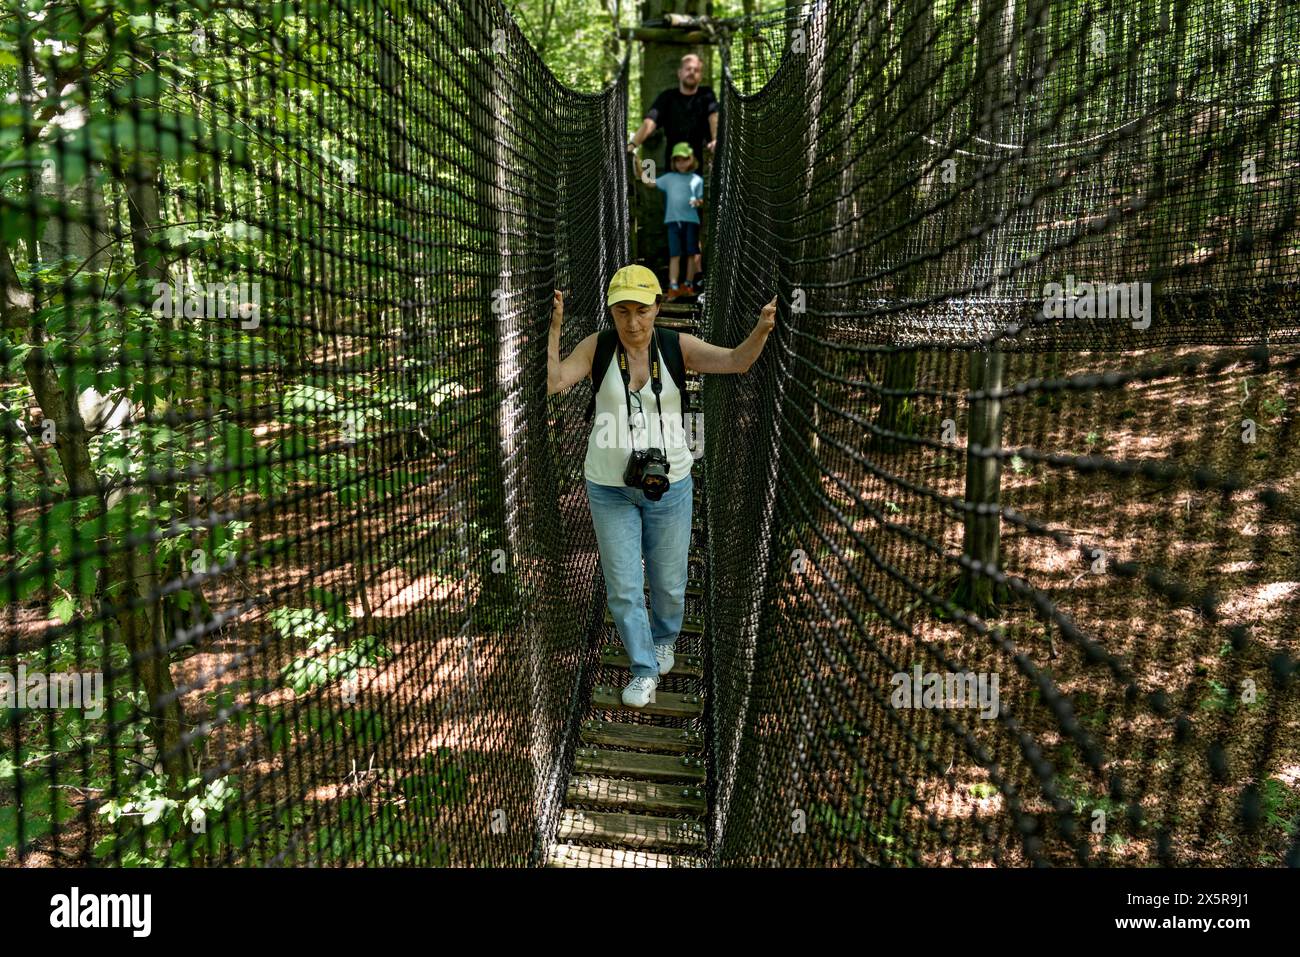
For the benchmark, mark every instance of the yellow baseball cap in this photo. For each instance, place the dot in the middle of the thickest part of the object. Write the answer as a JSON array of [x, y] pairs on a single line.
[[636, 283]]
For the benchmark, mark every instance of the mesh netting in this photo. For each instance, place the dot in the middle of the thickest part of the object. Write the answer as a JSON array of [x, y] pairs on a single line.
[[278, 468], [1010, 571], [1002, 551]]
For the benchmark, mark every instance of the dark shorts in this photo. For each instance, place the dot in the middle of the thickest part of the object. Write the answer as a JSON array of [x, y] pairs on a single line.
[[683, 238]]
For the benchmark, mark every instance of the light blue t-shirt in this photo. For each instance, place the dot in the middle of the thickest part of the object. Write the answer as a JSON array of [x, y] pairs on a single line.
[[679, 189]]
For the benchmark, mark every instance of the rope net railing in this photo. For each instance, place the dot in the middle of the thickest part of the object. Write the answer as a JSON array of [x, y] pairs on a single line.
[[1003, 553], [295, 570]]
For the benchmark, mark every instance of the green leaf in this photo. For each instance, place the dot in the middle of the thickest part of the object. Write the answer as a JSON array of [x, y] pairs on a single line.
[[308, 398], [64, 608], [86, 574], [301, 624], [336, 607], [155, 809], [241, 230]]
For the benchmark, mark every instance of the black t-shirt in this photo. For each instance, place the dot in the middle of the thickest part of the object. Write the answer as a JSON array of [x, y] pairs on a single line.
[[684, 119]]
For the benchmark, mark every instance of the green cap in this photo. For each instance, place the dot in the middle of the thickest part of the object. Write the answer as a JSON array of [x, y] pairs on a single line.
[[683, 149]]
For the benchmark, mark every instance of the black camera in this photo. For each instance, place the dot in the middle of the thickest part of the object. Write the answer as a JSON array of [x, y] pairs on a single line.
[[647, 469]]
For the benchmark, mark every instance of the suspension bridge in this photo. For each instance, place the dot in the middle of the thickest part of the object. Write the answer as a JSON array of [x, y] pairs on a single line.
[[996, 556]]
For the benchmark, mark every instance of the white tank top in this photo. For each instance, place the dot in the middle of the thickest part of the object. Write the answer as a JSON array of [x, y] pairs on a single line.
[[608, 445]]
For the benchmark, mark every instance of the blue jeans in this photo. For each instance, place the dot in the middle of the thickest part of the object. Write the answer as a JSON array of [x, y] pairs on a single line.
[[628, 526]]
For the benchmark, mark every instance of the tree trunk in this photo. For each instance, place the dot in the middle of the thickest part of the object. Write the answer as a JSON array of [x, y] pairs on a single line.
[[996, 60], [497, 295], [140, 629], [983, 483], [148, 629], [73, 446], [900, 368]]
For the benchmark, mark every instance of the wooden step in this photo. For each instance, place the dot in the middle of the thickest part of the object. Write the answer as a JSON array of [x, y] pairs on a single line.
[[647, 736], [631, 830], [666, 703], [690, 626], [644, 797], [575, 855], [689, 666], [684, 768]]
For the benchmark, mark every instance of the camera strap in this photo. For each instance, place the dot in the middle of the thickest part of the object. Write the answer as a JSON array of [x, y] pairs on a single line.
[[656, 385]]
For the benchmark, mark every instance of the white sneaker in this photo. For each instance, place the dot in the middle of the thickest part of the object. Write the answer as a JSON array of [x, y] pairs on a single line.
[[640, 691], [664, 655]]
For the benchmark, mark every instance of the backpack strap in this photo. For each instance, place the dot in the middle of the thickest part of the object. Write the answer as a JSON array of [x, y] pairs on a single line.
[[606, 343], [670, 347]]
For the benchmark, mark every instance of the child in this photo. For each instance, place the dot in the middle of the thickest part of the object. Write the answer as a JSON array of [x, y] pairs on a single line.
[[683, 191]]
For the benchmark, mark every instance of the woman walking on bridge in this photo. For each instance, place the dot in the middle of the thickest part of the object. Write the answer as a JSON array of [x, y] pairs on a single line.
[[639, 493]]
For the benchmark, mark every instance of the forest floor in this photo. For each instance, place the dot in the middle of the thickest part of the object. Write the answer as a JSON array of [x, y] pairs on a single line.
[[1201, 540]]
